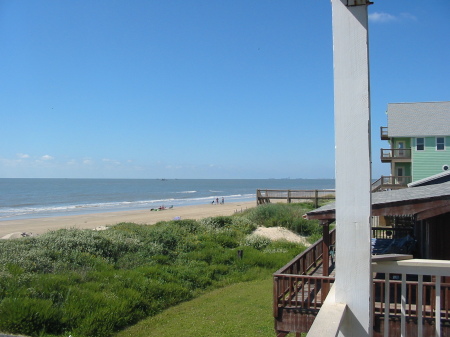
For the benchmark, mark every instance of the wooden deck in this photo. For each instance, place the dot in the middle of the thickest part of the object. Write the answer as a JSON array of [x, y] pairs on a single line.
[[301, 286]]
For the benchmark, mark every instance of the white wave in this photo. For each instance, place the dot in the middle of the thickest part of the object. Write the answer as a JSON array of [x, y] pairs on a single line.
[[56, 210]]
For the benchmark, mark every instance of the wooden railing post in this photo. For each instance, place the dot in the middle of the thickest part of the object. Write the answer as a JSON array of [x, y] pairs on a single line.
[[264, 196], [326, 248], [275, 297]]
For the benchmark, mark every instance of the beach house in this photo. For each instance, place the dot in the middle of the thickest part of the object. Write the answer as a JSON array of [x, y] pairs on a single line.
[[419, 139], [341, 286]]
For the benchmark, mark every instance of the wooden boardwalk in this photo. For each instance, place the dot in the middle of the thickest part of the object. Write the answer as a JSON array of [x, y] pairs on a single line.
[[315, 196]]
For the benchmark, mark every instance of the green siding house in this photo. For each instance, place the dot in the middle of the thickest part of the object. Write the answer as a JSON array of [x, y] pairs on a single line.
[[419, 138]]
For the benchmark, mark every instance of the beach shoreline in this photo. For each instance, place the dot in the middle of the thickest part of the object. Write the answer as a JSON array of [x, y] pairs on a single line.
[[38, 226]]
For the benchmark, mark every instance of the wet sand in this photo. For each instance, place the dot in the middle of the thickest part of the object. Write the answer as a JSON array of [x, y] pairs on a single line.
[[94, 220]]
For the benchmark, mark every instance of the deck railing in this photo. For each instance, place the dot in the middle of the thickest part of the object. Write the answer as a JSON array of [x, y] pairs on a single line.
[[384, 232], [295, 286], [300, 291], [264, 196], [305, 262], [391, 182], [412, 292], [391, 154], [410, 298]]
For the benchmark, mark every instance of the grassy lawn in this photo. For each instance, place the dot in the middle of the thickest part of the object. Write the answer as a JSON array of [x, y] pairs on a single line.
[[240, 310]]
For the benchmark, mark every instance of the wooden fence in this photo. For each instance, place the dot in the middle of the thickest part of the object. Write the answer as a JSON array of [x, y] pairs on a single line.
[[265, 196]]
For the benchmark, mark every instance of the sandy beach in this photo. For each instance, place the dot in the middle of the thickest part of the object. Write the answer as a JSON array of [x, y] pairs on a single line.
[[91, 221]]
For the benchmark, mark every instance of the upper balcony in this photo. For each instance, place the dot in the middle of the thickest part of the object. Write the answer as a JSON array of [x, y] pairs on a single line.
[[398, 155], [384, 133]]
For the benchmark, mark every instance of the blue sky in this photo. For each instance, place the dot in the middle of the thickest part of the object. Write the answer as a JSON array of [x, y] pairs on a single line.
[[200, 88]]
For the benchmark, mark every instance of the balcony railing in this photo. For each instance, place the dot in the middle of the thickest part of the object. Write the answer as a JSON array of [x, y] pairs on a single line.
[[411, 298], [384, 133], [388, 155], [386, 232], [415, 294], [391, 183]]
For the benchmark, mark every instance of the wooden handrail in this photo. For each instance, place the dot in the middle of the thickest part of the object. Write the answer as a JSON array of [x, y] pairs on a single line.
[[306, 259], [264, 195], [395, 154], [294, 284], [389, 182]]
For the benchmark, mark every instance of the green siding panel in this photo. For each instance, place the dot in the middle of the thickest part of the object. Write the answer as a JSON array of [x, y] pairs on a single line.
[[430, 161]]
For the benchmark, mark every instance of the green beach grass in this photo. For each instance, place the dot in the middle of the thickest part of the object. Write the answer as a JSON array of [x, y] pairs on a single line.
[[87, 283]]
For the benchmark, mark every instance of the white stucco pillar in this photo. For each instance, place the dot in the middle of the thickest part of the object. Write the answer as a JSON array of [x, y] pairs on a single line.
[[353, 164]]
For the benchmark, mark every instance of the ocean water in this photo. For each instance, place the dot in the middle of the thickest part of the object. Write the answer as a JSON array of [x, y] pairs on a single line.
[[36, 198]]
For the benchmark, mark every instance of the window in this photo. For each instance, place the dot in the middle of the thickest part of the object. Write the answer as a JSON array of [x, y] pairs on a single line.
[[420, 144], [440, 143]]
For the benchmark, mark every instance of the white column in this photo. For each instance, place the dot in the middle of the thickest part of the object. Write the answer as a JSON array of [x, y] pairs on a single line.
[[353, 164]]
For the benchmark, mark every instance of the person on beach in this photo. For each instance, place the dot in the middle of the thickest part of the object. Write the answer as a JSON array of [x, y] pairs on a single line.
[[217, 201], [223, 200], [212, 202]]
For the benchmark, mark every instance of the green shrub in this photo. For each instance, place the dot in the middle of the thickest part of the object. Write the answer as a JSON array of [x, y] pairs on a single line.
[[226, 240], [256, 241], [216, 222], [188, 225], [243, 224], [29, 316], [205, 254], [289, 216], [65, 241], [283, 246], [261, 214]]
